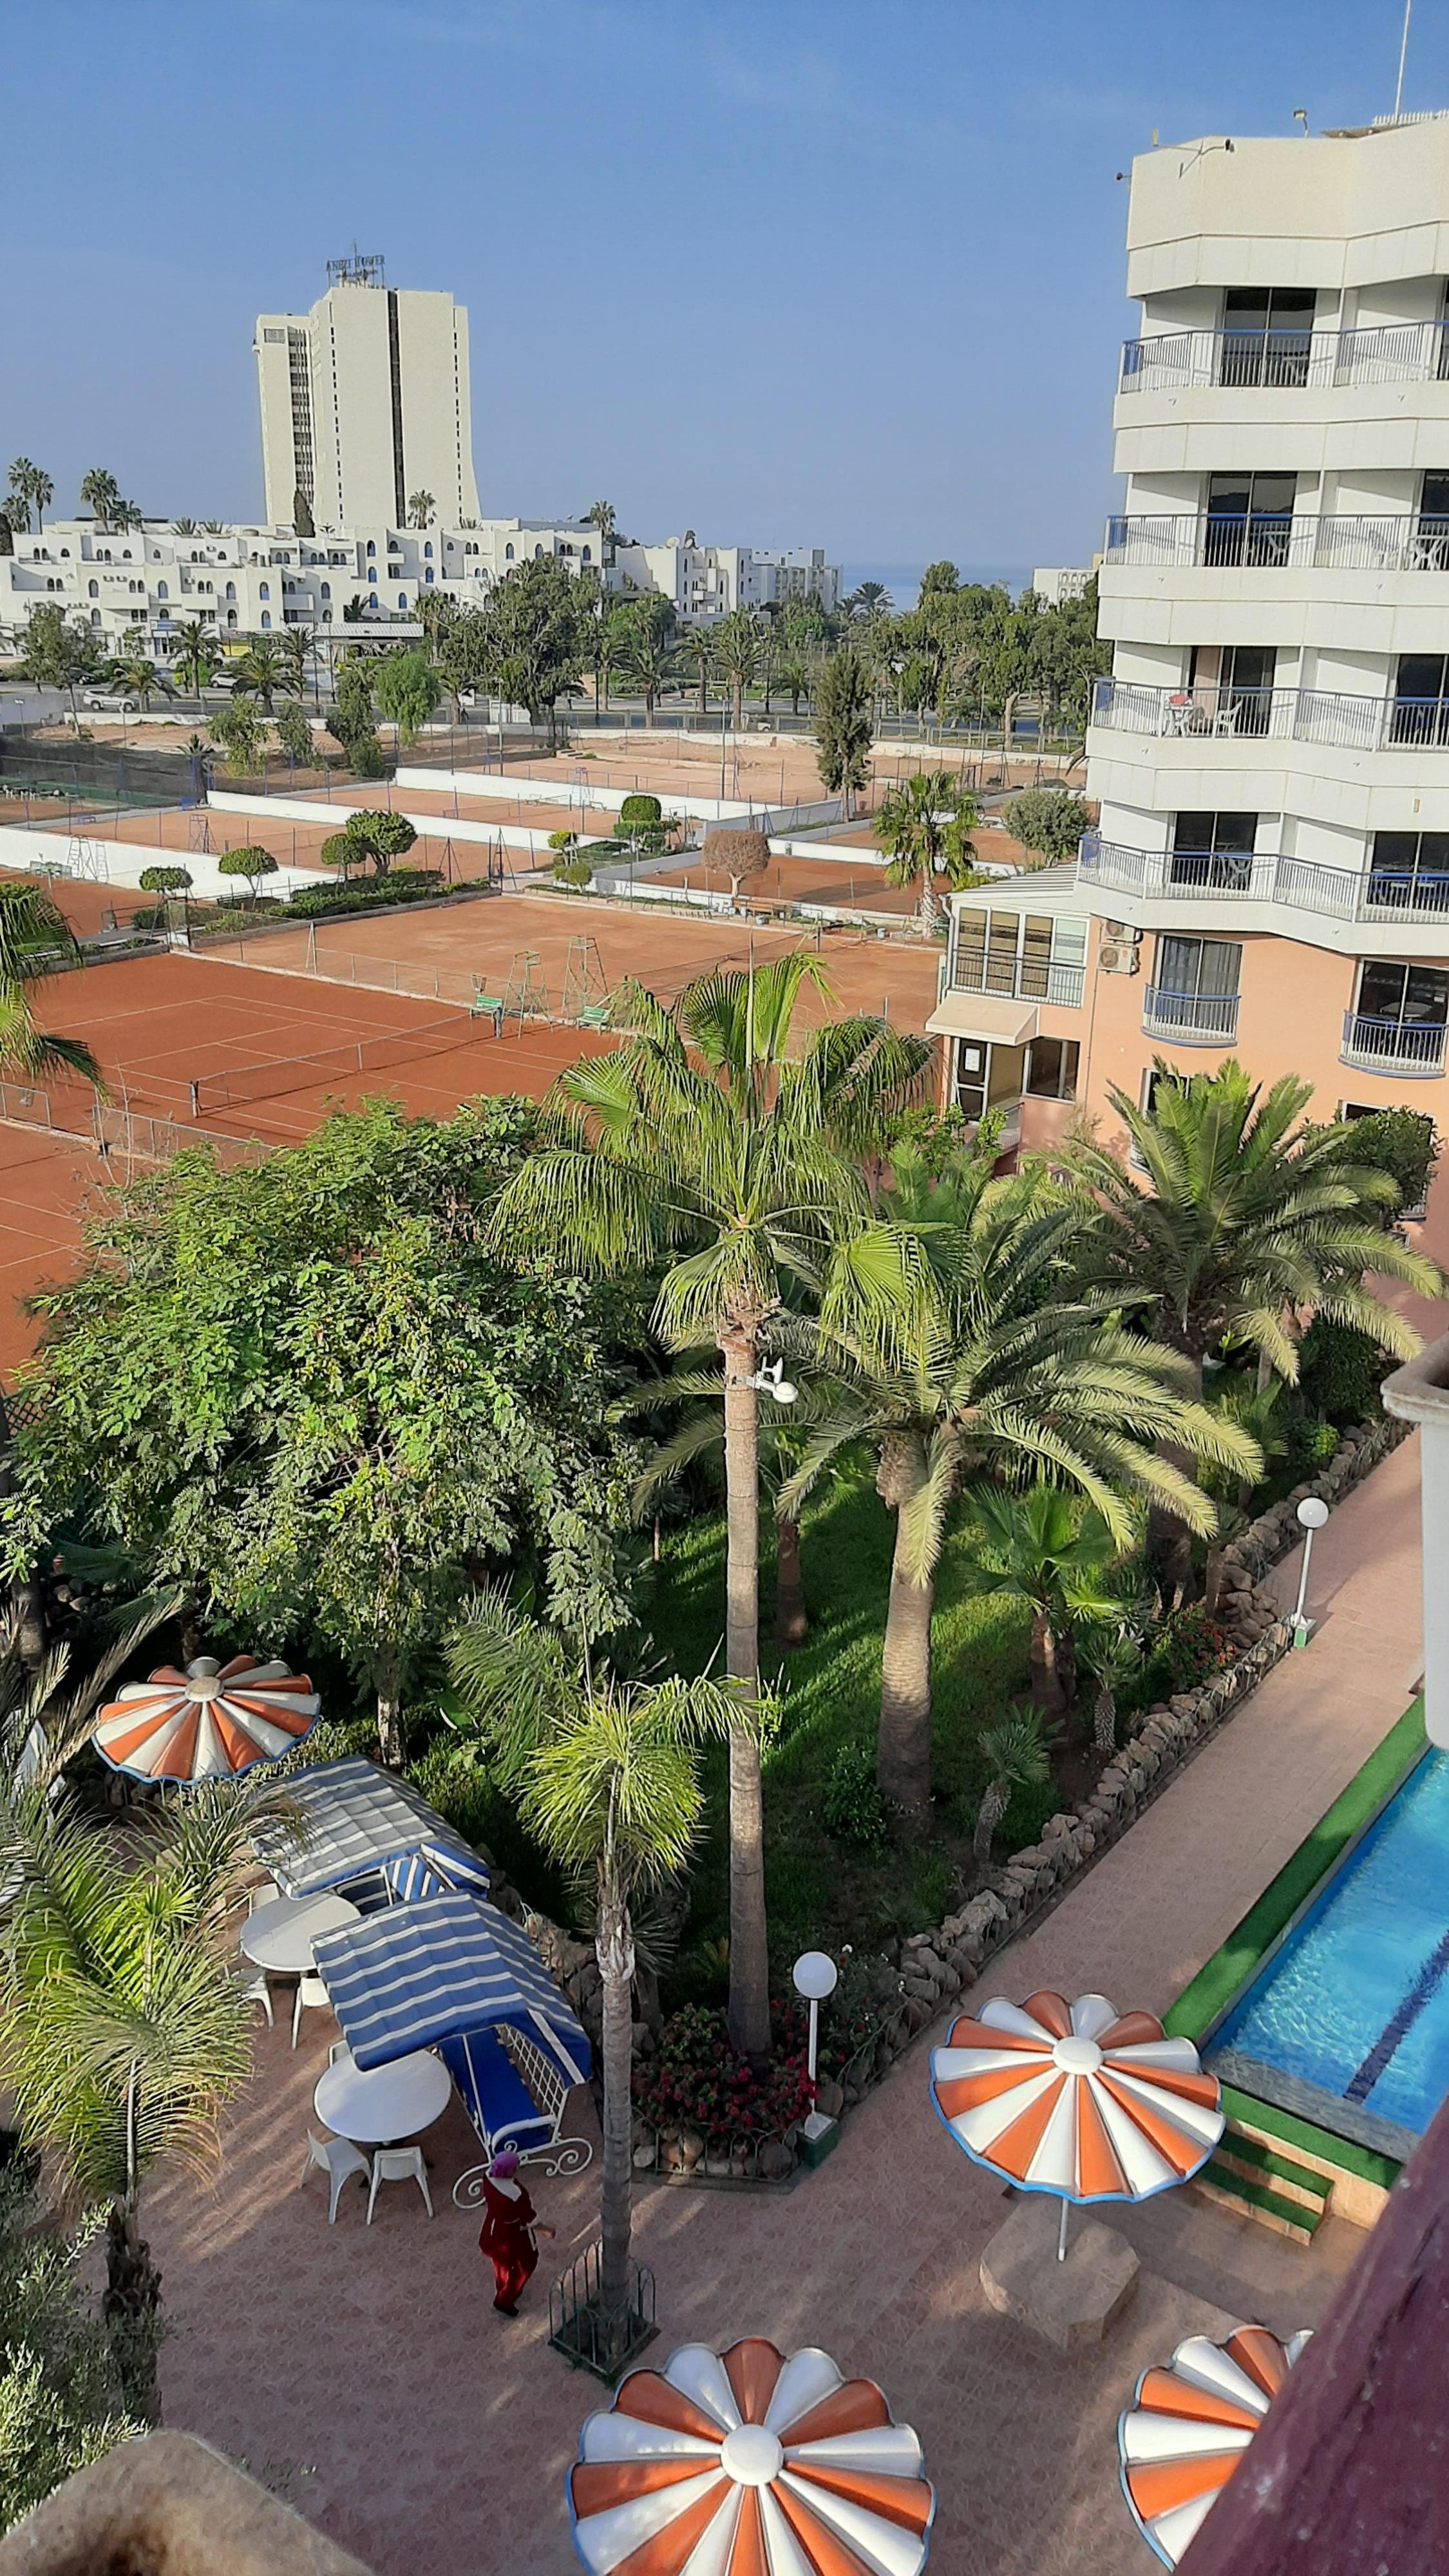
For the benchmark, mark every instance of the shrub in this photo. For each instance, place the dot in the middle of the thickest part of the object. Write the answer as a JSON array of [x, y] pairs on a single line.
[[293, 730], [1186, 1651], [165, 880], [1340, 1370], [252, 862], [1400, 1142], [573, 872], [1049, 820], [697, 2080], [366, 757], [410, 885], [61, 2404], [854, 1810], [637, 810], [562, 840]]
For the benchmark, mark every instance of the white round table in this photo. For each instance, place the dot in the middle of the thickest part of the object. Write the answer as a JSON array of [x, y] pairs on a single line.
[[279, 1936], [373, 2105]]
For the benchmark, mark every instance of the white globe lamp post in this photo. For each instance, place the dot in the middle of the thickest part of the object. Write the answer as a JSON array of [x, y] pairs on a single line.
[[816, 1977], [1312, 1513]]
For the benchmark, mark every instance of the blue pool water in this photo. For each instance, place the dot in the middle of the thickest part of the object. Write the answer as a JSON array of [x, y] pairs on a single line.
[[1355, 2004]]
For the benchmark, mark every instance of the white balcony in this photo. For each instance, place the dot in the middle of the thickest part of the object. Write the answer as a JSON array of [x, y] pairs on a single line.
[[1412, 1047], [1279, 542], [1378, 895], [1190, 1019], [1328, 716], [1395, 353]]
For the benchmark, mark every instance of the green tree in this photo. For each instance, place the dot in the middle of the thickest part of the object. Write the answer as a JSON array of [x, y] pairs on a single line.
[[713, 1145], [35, 939], [868, 599], [421, 509], [28, 487], [100, 493], [643, 650], [602, 515], [239, 735], [924, 825], [260, 671], [1042, 1549], [696, 645], [1018, 1756], [197, 656], [313, 1399], [252, 862], [842, 725], [463, 651], [537, 629], [293, 730], [61, 2403], [349, 719], [606, 1774], [368, 838], [736, 642], [1049, 820], [296, 647], [969, 1360], [56, 654], [1109, 1649], [407, 691], [139, 678]]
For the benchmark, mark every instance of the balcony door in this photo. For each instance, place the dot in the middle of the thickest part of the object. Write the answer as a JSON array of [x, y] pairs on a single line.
[[1409, 872], [1267, 335], [1420, 710], [1433, 528], [1213, 851], [1249, 519], [1232, 684], [1194, 991], [1401, 999]]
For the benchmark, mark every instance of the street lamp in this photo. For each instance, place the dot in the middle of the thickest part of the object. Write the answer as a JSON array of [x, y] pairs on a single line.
[[770, 1379], [816, 1977], [1312, 1513]]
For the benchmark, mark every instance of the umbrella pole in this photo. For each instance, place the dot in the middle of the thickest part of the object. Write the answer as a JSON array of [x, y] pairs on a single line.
[[1062, 2233]]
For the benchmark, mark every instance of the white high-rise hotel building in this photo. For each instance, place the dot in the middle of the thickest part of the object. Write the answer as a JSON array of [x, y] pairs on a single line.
[[365, 400], [1270, 874]]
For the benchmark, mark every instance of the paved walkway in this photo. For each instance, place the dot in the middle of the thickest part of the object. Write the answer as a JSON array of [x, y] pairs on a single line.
[[365, 2373]]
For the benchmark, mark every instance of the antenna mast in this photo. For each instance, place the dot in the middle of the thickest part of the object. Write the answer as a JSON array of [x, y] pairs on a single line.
[[1403, 49]]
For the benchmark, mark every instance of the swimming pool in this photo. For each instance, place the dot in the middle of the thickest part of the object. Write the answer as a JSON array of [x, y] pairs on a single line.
[[1347, 2021]]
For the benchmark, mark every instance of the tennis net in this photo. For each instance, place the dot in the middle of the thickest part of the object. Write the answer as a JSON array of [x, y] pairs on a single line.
[[232, 1090]]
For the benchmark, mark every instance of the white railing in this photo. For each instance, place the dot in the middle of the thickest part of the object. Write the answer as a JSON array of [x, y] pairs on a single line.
[[1221, 876], [1209, 1017], [1391, 353], [1279, 715], [1393, 1046], [1271, 541], [1060, 985]]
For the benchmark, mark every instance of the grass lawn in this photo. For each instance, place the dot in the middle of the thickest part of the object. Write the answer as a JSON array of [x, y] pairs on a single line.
[[821, 1889]]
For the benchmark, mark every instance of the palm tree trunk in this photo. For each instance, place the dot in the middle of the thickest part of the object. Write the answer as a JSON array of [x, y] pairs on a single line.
[[988, 1816], [903, 1746], [131, 2306], [1104, 1721], [738, 688], [749, 2003], [614, 1947], [389, 1709], [792, 1621]]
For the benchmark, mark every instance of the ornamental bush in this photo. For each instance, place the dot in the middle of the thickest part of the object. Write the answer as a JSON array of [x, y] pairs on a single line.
[[638, 810], [698, 2080], [854, 1810]]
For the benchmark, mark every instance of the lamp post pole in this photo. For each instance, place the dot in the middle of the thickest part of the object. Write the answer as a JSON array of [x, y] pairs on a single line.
[[815, 1977], [1312, 1513]]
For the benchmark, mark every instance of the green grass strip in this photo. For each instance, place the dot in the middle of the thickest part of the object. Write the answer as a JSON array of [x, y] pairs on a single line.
[[1230, 1967], [1254, 2195], [1273, 2168], [1345, 2153]]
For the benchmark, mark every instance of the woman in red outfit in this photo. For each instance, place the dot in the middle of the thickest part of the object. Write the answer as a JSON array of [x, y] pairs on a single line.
[[508, 2232]]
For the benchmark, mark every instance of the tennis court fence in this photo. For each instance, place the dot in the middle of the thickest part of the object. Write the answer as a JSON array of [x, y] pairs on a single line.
[[338, 1063], [117, 1132]]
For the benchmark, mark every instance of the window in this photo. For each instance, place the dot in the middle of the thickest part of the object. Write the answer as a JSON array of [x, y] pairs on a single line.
[[266, 621], [1194, 990], [1404, 996], [326, 589], [988, 1075], [1267, 335], [264, 590], [64, 554], [1249, 518], [93, 590], [1409, 872], [1029, 955], [372, 599], [508, 554], [1051, 1068], [428, 573], [1230, 688], [95, 617], [428, 549], [231, 590], [1214, 851], [537, 551], [402, 599], [161, 590], [231, 616], [585, 555], [1421, 703], [371, 548]]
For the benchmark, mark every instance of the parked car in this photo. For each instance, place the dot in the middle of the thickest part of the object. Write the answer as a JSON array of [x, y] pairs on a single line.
[[111, 702], [221, 684]]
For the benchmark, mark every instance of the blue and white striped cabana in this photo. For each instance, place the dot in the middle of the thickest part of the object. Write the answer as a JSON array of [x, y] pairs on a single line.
[[454, 1974], [362, 1823]]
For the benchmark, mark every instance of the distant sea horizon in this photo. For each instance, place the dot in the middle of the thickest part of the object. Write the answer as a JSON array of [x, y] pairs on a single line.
[[903, 581]]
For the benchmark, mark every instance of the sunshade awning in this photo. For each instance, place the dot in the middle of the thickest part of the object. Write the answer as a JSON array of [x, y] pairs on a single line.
[[418, 1974], [357, 1821], [983, 1015]]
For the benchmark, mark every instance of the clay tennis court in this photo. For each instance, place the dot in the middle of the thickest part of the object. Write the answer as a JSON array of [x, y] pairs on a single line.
[[45, 1184], [825, 880]]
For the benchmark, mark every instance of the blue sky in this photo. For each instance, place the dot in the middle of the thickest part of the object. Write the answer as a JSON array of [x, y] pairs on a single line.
[[844, 272]]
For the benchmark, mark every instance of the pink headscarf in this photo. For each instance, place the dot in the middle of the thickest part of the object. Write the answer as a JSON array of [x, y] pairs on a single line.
[[504, 2167]]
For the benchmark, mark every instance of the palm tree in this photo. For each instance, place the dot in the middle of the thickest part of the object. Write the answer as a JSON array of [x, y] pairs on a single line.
[[736, 641], [645, 655], [868, 599], [29, 488], [197, 657], [100, 493], [295, 651], [35, 937], [793, 675], [1245, 1224], [139, 676], [923, 826], [698, 645], [1017, 1750], [705, 1146], [260, 671], [421, 506], [969, 1360], [1110, 1652], [602, 515], [606, 1774], [1042, 1549], [124, 2032]]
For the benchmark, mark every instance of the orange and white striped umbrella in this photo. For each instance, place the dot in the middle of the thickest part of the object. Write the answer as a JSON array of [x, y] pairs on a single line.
[[1076, 2099], [209, 1722], [1189, 2425], [744, 2463]]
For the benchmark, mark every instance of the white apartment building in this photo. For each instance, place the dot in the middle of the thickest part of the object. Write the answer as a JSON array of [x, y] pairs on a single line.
[[143, 587], [1270, 875], [704, 582], [364, 401], [1055, 583]]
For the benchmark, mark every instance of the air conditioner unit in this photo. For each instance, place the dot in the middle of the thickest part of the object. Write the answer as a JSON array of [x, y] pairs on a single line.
[[1123, 933], [1118, 961]]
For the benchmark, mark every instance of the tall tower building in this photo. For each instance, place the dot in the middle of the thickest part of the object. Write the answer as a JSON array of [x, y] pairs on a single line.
[[1269, 877], [365, 401]]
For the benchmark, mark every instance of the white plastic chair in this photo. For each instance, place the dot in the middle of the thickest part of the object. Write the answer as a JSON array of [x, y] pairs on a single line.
[[255, 1990], [399, 2164], [310, 1991], [337, 2158]]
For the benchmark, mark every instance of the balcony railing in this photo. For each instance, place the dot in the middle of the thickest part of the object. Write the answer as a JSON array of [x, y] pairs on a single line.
[[1279, 715], [1196, 1019], [1392, 1046], [1061, 986], [1225, 876], [1391, 353], [1271, 541]]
